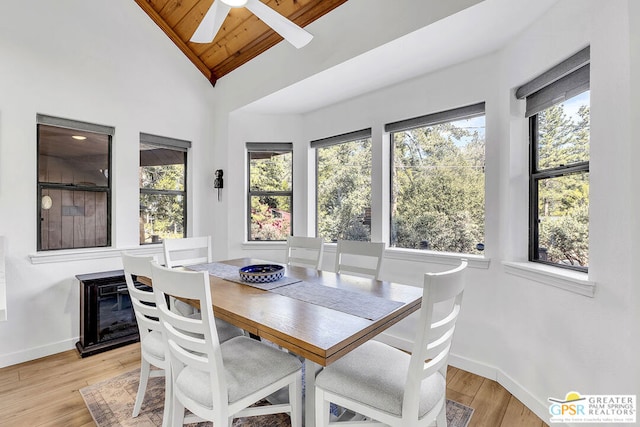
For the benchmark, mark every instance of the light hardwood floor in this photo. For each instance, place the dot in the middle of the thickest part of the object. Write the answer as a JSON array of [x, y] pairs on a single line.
[[44, 392]]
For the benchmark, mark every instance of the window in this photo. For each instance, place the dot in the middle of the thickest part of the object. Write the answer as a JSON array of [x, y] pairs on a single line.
[[74, 184], [163, 195], [558, 105], [343, 186], [270, 190], [437, 181]]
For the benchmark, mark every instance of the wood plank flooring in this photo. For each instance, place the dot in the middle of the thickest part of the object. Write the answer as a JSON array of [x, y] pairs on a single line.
[[44, 392]]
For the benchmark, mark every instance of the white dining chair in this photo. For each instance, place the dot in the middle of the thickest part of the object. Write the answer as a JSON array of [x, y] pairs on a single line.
[[152, 351], [357, 257], [304, 251], [187, 251], [190, 251], [219, 381], [184, 252], [388, 386]]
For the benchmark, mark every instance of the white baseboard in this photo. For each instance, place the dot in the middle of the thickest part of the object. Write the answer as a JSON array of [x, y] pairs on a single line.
[[37, 352], [541, 409], [473, 366]]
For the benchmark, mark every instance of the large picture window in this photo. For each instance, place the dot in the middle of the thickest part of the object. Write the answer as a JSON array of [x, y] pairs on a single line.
[[270, 197], [437, 181], [343, 186], [74, 184], [163, 195], [558, 104]]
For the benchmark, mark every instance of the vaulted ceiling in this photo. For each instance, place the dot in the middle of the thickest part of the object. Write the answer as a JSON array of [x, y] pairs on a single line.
[[242, 36]]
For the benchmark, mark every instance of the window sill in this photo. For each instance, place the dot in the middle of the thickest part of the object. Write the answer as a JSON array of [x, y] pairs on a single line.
[[571, 281], [447, 258], [89, 254]]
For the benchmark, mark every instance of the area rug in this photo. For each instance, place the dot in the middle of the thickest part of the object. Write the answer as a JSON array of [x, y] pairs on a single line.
[[110, 403]]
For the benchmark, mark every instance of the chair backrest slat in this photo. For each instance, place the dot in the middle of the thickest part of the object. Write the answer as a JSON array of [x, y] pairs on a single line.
[[304, 251], [439, 327], [362, 258], [187, 251], [435, 364]]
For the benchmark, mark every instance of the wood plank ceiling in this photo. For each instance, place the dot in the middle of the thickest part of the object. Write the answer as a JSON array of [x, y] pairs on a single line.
[[242, 36]]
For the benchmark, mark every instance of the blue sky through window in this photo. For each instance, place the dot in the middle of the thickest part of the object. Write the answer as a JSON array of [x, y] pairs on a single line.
[[572, 105]]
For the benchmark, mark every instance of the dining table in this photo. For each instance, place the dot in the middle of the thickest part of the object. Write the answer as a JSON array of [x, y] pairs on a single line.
[[318, 315]]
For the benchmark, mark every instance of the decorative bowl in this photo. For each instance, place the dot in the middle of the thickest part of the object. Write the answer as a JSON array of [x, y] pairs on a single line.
[[261, 273]]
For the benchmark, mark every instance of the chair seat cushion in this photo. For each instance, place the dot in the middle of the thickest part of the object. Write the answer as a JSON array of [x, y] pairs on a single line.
[[226, 330], [153, 345], [375, 375], [182, 308], [249, 366]]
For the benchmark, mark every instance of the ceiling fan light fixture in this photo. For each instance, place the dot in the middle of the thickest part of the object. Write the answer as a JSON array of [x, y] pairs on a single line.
[[217, 13], [234, 3]]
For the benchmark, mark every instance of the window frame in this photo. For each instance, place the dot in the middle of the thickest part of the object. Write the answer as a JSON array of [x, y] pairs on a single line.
[[330, 141], [452, 115], [265, 147], [535, 176], [562, 82], [80, 126], [169, 144]]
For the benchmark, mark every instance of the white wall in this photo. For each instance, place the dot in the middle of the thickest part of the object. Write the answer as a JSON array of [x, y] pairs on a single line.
[[110, 64], [562, 341], [537, 340], [99, 62]]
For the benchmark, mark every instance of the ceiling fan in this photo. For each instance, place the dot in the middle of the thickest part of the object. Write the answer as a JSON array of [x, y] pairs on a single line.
[[219, 10]]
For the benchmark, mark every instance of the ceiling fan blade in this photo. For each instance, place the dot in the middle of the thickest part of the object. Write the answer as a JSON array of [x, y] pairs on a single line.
[[211, 23], [281, 25]]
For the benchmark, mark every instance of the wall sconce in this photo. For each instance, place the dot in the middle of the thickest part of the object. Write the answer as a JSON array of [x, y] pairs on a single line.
[[218, 182]]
